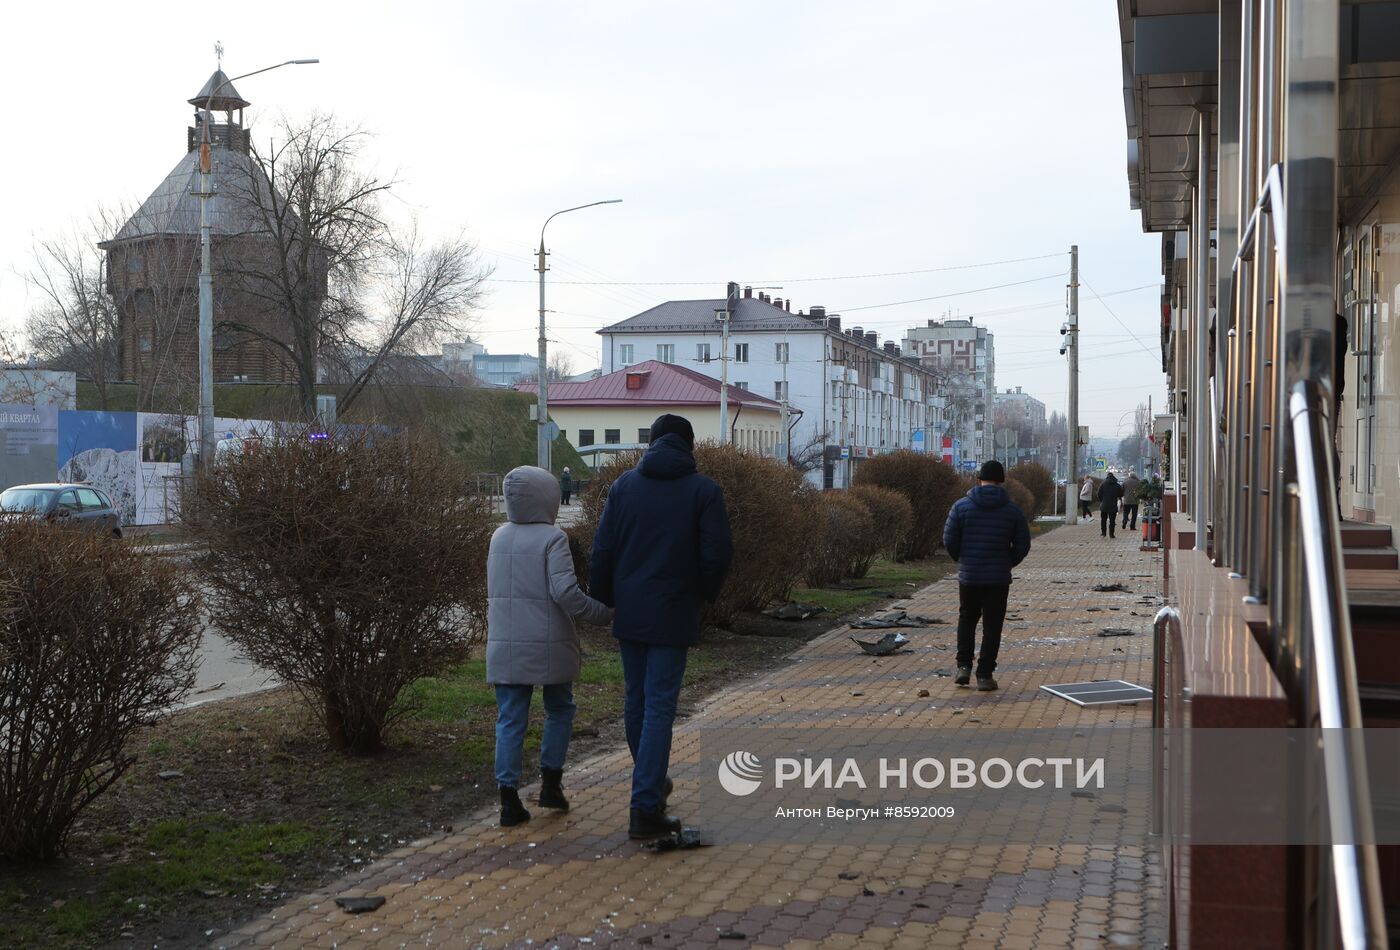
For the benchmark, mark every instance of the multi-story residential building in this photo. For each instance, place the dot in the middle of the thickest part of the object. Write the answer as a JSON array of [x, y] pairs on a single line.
[[504, 369], [848, 396], [962, 356], [1024, 415]]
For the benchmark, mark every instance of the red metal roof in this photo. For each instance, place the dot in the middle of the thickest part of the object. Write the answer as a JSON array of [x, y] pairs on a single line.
[[663, 384]]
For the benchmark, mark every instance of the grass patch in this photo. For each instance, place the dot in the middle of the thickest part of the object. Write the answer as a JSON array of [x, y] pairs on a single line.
[[885, 575]]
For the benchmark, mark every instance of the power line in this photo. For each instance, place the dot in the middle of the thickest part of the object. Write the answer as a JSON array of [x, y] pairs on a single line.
[[785, 280], [1145, 347], [956, 293]]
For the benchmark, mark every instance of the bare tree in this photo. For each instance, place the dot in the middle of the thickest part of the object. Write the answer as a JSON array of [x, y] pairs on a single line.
[[811, 454], [561, 368], [76, 324], [339, 278]]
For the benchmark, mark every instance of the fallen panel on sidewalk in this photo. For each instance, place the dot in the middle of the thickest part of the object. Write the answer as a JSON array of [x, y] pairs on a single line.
[[1100, 692]]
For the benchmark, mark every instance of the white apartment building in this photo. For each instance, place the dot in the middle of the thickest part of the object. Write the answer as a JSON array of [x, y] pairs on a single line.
[[849, 397], [962, 356]]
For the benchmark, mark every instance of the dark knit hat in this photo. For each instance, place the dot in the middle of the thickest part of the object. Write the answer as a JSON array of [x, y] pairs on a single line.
[[668, 424], [992, 471]]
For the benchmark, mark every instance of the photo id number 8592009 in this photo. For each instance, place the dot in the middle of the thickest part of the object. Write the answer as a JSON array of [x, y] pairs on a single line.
[[922, 811]]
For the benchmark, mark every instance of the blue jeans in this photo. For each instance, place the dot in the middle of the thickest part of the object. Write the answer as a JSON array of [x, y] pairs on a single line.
[[512, 719], [653, 676]]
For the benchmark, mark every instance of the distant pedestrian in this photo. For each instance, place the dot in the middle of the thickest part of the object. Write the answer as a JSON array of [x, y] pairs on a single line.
[[533, 597], [662, 550], [1131, 486], [566, 484], [1109, 494], [987, 535], [1086, 496]]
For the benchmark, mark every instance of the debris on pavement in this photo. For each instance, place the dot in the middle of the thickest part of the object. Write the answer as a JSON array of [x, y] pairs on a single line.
[[683, 840], [889, 643], [169, 774], [796, 610], [1111, 588], [360, 905], [1115, 632], [923, 693], [895, 618]]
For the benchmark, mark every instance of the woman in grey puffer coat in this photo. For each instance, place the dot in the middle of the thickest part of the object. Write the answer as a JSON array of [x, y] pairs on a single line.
[[533, 598]]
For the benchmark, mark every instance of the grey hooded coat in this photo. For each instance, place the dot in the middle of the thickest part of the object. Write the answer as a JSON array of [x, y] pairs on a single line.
[[532, 593]]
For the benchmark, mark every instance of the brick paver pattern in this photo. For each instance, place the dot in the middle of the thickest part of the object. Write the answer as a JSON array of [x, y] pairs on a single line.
[[575, 879]]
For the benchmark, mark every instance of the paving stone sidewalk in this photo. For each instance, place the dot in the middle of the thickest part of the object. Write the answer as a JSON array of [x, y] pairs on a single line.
[[576, 880]]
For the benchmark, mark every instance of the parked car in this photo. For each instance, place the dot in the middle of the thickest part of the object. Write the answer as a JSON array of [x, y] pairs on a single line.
[[82, 505]]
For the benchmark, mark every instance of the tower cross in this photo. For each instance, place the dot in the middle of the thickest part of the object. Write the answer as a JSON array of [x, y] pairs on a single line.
[[219, 53]]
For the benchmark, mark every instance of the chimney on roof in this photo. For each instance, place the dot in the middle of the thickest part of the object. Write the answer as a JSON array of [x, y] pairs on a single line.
[[778, 302], [636, 381], [818, 313], [856, 332], [1018, 389], [787, 304], [932, 324], [748, 293], [891, 348], [872, 337], [834, 321]]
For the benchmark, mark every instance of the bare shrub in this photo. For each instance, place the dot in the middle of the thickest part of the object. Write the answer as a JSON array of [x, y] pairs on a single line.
[[1039, 481], [764, 500], [96, 641], [348, 567], [930, 485], [891, 511], [1021, 497], [845, 541]]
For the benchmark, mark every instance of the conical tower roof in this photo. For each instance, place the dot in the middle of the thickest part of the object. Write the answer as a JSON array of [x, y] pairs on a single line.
[[218, 95], [172, 210]]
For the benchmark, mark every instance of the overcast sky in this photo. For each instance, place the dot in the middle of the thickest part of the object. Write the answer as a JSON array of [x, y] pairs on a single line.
[[765, 141]]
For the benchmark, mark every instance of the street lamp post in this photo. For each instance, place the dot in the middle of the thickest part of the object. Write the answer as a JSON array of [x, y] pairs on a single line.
[[542, 441], [206, 275]]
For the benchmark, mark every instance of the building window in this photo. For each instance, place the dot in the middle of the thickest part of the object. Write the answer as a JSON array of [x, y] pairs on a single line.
[[585, 437], [741, 352], [612, 436], [702, 352], [644, 436], [780, 390], [625, 354], [739, 385], [666, 352], [782, 352]]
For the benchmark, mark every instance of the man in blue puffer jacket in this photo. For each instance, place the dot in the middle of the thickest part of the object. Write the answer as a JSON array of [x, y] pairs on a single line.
[[987, 535], [661, 552]]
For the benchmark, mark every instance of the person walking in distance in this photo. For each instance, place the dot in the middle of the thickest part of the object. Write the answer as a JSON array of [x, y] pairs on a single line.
[[1086, 496], [987, 535], [566, 484], [1131, 486], [532, 598], [1109, 494], [661, 551]]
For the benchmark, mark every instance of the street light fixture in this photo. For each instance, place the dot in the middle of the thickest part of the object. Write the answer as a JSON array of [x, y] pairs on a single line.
[[206, 277], [543, 443]]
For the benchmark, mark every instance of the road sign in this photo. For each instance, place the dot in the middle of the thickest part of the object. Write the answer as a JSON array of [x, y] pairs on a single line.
[[551, 430], [1100, 465], [970, 465], [845, 451]]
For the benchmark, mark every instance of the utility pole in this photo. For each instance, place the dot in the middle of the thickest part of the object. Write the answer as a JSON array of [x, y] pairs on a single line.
[[544, 447], [723, 317], [1071, 511]]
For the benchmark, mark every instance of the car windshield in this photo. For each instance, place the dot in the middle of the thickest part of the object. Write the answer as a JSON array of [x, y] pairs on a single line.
[[25, 499]]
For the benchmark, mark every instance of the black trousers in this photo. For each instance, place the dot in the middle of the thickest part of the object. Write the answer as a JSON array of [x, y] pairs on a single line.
[[567, 493], [988, 603], [1084, 511], [1130, 512], [1107, 519]]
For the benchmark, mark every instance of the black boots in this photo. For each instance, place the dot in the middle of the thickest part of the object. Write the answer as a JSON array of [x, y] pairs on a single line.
[[512, 811], [652, 824], [552, 789], [964, 676]]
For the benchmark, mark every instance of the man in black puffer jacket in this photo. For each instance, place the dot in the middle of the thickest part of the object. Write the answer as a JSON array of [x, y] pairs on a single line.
[[987, 535], [662, 550]]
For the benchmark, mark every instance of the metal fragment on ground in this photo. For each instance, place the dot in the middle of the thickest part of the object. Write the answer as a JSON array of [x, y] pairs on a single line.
[[886, 645], [360, 905]]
